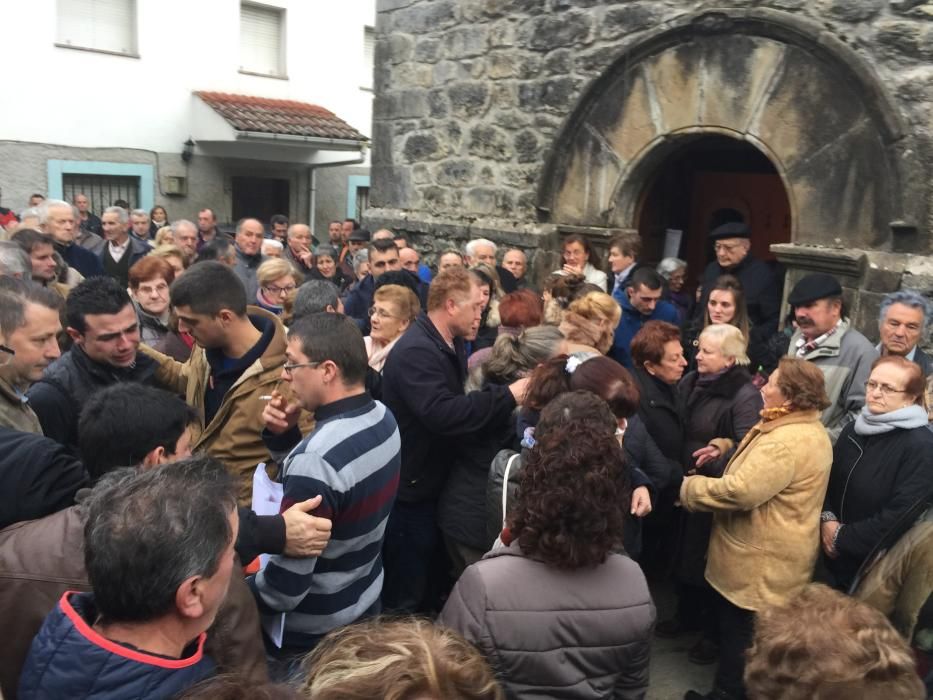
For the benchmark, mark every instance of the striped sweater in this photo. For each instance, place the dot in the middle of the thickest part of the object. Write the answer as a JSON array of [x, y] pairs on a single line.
[[352, 459]]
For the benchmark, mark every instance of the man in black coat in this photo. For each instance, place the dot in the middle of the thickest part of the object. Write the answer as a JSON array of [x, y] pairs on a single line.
[[57, 220], [762, 288], [423, 383]]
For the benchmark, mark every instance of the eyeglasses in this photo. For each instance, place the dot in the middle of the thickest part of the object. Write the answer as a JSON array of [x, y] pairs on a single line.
[[288, 289], [725, 246], [8, 354], [381, 313], [289, 368], [883, 389]]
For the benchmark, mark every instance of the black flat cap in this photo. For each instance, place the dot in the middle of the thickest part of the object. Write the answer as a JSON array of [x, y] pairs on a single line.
[[360, 235], [734, 229], [817, 285]]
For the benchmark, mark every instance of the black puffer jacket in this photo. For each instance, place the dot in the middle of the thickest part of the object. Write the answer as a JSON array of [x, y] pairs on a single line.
[[661, 411], [874, 480]]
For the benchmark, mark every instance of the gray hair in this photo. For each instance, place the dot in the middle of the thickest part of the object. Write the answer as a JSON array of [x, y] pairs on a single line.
[[43, 208], [359, 258], [732, 343], [907, 297], [149, 530], [314, 296], [182, 222], [28, 212], [121, 213], [470, 248], [513, 355], [140, 212], [14, 261], [668, 266]]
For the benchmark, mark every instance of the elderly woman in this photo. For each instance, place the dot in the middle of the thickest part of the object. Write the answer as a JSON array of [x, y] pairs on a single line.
[[559, 611], [394, 309], [674, 273], [277, 278], [326, 267], [149, 282], [766, 506], [589, 323], [882, 467], [719, 401], [578, 260], [462, 506]]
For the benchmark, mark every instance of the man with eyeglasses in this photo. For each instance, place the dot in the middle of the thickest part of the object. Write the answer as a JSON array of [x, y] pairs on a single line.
[[826, 338], [732, 244], [103, 325], [902, 324]]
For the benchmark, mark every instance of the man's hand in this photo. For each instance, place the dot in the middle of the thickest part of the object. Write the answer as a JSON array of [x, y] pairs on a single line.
[[306, 256], [641, 502], [305, 535], [280, 416], [706, 454], [827, 532], [519, 388]]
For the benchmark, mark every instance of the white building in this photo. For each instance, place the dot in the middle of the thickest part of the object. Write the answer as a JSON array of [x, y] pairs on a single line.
[[245, 107]]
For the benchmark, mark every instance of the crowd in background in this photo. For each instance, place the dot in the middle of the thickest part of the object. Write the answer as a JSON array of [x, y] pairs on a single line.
[[267, 464]]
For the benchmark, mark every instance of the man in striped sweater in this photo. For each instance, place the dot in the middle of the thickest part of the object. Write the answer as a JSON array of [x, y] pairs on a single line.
[[352, 460]]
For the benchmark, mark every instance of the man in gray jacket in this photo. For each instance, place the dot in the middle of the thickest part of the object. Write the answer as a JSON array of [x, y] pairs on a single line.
[[826, 338]]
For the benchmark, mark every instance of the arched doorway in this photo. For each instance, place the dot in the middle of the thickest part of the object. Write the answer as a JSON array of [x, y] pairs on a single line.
[[705, 180]]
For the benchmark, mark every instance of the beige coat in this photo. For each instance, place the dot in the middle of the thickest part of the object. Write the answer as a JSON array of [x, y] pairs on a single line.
[[766, 525]]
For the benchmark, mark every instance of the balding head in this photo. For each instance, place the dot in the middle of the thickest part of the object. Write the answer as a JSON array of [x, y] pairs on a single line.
[[249, 235], [410, 259]]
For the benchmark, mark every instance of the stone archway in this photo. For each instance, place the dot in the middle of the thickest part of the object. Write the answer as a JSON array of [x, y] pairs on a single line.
[[802, 98]]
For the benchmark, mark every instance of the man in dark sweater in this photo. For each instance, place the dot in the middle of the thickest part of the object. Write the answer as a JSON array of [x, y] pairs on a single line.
[[57, 220], [122, 250], [423, 383]]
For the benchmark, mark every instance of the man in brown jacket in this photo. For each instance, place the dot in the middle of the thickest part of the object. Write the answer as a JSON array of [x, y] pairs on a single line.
[[234, 368], [41, 559]]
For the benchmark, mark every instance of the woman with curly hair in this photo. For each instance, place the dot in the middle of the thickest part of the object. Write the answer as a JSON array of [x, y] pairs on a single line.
[[589, 323], [559, 611]]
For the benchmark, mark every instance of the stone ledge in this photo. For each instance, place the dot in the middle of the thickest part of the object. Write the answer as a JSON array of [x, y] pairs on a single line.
[[848, 262]]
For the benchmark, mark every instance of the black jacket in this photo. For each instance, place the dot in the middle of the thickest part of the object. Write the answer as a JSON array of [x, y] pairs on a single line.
[[422, 384], [68, 383], [926, 364], [81, 259], [874, 480], [38, 476], [661, 410]]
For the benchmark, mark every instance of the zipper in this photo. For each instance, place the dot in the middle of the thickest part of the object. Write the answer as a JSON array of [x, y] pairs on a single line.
[[842, 502]]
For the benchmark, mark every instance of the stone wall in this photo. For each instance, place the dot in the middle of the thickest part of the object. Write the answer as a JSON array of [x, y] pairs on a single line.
[[471, 95]]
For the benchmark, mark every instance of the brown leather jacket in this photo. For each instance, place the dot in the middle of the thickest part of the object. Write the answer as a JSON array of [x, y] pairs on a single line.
[[41, 559], [14, 412]]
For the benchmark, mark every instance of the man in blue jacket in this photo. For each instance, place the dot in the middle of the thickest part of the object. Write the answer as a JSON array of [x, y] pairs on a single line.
[[641, 302]]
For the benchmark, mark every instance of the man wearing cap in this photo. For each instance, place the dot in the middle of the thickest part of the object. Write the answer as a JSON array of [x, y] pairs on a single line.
[[826, 338], [358, 239], [762, 289]]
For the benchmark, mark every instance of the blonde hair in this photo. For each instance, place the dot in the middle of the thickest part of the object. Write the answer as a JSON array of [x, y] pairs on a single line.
[[274, 268], [592, 320], [169, 251], [397, 660], [826, 645], [406, 300], [732, 343], [162, 234]]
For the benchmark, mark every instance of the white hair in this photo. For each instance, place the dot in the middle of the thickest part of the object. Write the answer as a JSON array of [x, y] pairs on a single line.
[[175, 225], [47, 204], [732, 343], [121, 213], [139, 212], [668, 266], [272, 243], [470, 248]]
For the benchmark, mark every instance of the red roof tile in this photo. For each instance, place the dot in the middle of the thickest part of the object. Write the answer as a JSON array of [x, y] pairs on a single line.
[[245, 113]]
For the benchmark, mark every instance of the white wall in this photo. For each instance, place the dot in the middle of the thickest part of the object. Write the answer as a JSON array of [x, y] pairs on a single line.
[[81, 98]]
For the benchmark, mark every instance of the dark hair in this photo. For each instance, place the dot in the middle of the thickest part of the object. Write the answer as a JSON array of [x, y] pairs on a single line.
[[217, 249], [648, 343], [352, 221], [15, 294], [520, 309], [278, 219], [573, 493], [565, 288], [29, 238], [382, 245], [93, 296], [148, 530], [611, 382], [209, 288], [314, 296], [333, 337], [548, 380], [731, 284], [403, 278], [121, 424], [646, 277], [122, 203], [235, 686], [577, 238], [158, 206], [628, 244]]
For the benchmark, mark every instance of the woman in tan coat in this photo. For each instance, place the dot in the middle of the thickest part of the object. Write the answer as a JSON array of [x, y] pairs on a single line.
[[766, 506]]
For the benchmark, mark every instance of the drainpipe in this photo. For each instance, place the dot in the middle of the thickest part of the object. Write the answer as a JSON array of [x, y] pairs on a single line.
[[312, 183]]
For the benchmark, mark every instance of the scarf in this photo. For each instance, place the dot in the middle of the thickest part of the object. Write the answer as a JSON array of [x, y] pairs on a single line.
[[770, 414], [378, 354], [907, 418], [805, 347]]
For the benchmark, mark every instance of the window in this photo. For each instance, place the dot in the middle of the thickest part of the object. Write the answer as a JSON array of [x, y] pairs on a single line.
[[369, 57], [262, 40], [98, 25], [102, 190], [103, 182]]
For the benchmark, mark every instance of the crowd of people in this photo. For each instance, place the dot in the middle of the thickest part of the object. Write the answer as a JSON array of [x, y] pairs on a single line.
[[262, 465]]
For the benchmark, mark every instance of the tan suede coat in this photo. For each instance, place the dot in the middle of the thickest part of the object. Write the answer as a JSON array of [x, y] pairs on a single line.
[[766, 526]]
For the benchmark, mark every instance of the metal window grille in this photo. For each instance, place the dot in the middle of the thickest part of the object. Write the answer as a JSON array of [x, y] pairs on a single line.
[[102, 190], [362, 202]]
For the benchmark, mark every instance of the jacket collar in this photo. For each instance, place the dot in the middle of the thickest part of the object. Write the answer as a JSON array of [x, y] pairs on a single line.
[[727, 385], [345, 405], [268, 351], [793, 418], [427, 325], [830, 347], [248, 260], [141, 370]]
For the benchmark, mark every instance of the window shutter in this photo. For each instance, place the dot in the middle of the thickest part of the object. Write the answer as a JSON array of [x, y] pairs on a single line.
[[369, 55], [105, 25], [261, 40]]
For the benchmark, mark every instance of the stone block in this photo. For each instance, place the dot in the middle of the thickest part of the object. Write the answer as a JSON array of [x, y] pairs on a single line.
[[488, 201], [445, 71], [559, 62], [854, 10], [884, 271], [527, 147], [434, 198], [489, 142], [395, 48], [594, 61], [420, 147], [549, 32], [528, 66], [556, 93], [438, 104], [413, 74], [468, 99], [401, 104], [502, 8], [421, 174], [425, 17], [427, 50], [502, 34], [456, 172], [628, 19], [391, 187], [510, 119], [466, 42], [501, 64], [904, 39], [382, 142]]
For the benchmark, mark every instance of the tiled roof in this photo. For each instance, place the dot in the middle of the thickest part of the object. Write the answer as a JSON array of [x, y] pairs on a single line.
[[246, 113]]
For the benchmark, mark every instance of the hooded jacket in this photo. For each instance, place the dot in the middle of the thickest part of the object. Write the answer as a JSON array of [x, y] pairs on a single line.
[[233, 434], [557, 634], [631, 322]]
